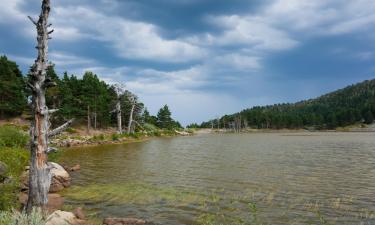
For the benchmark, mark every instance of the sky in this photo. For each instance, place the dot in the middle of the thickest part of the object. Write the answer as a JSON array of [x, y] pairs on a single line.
[[204, 58]]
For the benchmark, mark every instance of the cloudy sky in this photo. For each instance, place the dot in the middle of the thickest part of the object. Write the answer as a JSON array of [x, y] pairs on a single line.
[[204, 57]]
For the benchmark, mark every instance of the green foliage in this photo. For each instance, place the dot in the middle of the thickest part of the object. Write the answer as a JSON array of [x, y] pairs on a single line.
[[14, 217], [115, 137], [193, 125], [344, 107], [11, 136], [165, 121], [16, 159], [12, 86], [75, 97], [71, 130]]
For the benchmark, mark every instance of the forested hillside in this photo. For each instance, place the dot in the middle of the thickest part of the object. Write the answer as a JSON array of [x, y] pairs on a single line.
[[88, 99], [347, 106]]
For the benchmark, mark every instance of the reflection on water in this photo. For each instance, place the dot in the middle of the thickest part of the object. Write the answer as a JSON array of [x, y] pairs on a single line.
[[231, 178]]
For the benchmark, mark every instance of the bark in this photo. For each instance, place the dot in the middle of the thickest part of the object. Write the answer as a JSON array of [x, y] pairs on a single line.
[[131, 119], [118, 113], [40, 172], [88, 120], [95, 120], [60, 129]]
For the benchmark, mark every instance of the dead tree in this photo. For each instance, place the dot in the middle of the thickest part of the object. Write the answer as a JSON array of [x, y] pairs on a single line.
[[40, 169], [132, 100], [120, 90], [88, 120]]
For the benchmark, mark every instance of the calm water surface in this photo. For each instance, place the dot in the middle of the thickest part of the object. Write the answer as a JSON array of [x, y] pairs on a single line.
[[298, 178]]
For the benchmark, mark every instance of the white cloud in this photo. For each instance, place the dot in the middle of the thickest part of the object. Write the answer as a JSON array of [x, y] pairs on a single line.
[[63, 59], [10, 11], [249, 31], [130, 39]]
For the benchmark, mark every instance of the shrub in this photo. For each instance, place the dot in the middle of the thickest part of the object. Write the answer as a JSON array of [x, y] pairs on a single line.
[[12, 137], [16, 159], [71, 130], [16, 218], [115, 137]]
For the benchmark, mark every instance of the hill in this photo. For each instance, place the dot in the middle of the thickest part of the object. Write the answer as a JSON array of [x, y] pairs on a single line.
[[344, 107]]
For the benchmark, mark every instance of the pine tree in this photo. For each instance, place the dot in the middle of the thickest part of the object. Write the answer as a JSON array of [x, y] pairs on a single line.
[[164, 118], [12, 86]]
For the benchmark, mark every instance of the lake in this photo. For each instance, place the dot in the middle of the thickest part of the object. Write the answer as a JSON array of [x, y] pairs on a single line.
[[268, 178]]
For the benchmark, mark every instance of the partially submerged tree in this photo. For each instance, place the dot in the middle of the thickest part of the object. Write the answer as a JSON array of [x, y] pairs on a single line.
[[40, 170]]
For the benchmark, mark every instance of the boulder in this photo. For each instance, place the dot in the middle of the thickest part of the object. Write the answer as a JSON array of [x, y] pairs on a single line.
[[123, 221], [55, 201], [63, 218], [75, 168], [78, 212], [60, 179]]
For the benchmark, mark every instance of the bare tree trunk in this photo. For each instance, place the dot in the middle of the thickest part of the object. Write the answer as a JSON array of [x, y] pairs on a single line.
[[95, 120], [118, 112], [40, 174], [88, 120], [131, 119]]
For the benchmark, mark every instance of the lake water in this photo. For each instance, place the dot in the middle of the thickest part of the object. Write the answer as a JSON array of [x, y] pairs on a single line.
[[268, 178]]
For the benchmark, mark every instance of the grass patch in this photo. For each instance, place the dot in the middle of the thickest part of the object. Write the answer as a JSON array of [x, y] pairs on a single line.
[[13, 137], [16, 159], [13, 217]]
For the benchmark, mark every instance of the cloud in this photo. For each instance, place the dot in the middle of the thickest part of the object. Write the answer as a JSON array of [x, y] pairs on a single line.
[[64, 59], [129, 39], [249, 31]]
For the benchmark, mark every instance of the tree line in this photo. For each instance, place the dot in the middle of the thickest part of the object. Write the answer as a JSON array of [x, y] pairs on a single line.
[[344, 107], [88, 99]]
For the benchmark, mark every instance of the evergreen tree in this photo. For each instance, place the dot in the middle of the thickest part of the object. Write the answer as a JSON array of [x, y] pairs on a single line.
[[12, 89], [369, 118], [165, 120]]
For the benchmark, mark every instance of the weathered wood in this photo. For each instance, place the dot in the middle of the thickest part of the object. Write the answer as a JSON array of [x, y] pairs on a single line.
[[119, 117], [88, 120], [40, 174], [131, 118], [40, 170], [60, 129]]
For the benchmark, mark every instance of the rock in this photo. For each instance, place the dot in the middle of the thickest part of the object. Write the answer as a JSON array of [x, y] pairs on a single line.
[[75, 168], [63, 218], [55, 201], [79, 213], [3, 170], [24, 180], [60, 179], [123, 221]]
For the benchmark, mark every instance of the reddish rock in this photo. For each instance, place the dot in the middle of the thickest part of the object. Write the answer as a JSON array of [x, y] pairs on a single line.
[[123, 221], [55, 201], [75, 168], [78, 212]]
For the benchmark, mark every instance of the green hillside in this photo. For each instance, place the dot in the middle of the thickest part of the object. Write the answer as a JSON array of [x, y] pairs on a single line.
[[347, 106]]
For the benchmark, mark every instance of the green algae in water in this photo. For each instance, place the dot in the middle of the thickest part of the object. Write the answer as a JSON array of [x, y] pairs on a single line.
[[131, 193]]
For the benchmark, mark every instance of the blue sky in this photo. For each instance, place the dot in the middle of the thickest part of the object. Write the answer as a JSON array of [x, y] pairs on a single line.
[[204, 57]]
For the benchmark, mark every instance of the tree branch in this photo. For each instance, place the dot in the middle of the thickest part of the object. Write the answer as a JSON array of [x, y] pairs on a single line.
[[51, 111], [32, 20], [60, 129]]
